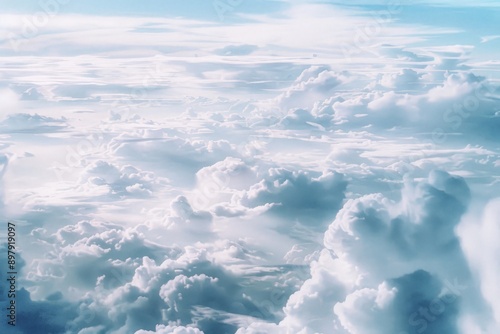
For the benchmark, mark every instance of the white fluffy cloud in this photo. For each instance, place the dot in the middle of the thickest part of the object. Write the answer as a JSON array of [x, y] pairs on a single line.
[[312, 85], [460, 101], [111, 181], [413, 303], [306, 196], [132, 275], [376, 250], [390, 239], [184, 157]]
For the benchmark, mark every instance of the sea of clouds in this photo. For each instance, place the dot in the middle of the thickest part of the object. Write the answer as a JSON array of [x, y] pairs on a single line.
[[316, 169]]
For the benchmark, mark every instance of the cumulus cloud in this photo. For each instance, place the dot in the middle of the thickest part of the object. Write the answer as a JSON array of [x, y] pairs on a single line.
[[406, 79], [311, 85], [113, 182], [309, 197], [39, 317], [412, 303], [184, 155], [178, 223], [484, 232], [186, 220], [405, 234], [178, 287], [32, 94], [236, 50], [376, 250], [187, 286], [162, 329], [86, 253], [218, 182], [301, 119], [462, 102]]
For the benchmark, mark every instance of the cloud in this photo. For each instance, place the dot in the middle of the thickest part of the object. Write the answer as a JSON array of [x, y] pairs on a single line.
[[32, 94], [4, 163], [415, 302], [123, 274], [33, 316], [311, 85], [387, 260], [185, 220], [406, 79], [277, 172], [182, 292], [41, 316], [178, 287], [217, 183], [461, 102], [28, 123], [490, 270], [184, 156], [302, 119], [309, 197], [133, 276], [481, 261], [399, 231], [486, 39], [311, 307], [112, 182], [9, 100], [236, 50], [88, 252]]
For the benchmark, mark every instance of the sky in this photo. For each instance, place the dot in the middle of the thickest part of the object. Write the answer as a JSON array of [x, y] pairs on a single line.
[[250, 167]]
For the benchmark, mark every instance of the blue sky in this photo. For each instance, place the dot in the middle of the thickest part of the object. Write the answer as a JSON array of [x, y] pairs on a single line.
[[199, 9], [275, 167]]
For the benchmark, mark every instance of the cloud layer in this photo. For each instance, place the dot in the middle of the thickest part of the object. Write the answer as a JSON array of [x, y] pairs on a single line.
[[268, 167]]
